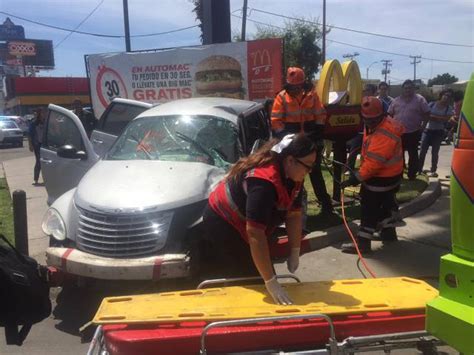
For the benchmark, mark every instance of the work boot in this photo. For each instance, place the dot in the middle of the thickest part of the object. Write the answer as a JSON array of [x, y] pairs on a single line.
[[388, 235], [364, 245], [395, 220]]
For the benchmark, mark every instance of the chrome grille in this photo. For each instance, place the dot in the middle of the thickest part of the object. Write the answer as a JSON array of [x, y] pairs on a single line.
[[122, 235]]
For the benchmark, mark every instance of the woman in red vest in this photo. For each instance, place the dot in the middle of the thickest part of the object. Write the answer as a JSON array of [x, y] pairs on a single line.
[[260, 192]]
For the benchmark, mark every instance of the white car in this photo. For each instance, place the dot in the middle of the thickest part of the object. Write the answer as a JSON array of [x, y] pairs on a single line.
[[136, 213], [20, 121], [10, 133]]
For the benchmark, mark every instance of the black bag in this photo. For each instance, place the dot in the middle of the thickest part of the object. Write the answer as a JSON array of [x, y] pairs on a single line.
[[24, 293]]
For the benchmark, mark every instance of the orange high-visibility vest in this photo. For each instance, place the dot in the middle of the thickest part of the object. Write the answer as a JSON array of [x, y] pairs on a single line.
[[297, 114], [382, 153]]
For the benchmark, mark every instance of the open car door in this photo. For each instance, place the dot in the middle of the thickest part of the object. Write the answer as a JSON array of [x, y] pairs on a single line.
[[254, 128], [66, 152], [113, 121]]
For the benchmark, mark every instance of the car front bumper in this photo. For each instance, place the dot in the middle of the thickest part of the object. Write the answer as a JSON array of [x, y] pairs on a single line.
[[12, 139], [152, 268]]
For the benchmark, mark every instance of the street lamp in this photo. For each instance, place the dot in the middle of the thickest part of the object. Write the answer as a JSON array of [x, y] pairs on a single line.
[[367, 73]]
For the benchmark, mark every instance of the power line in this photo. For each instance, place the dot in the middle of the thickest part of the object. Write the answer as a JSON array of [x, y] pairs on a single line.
[[95, 34], [80, 23], [366, 48], [366, 32]]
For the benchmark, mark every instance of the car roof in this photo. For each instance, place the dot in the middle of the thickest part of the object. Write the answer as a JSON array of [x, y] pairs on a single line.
[[12, 121], [3, 117], [212, 106]]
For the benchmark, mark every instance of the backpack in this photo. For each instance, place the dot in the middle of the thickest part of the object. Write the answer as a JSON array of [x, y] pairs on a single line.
[[24, 293]]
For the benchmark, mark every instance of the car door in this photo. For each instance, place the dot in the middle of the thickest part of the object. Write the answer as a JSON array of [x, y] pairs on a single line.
[[254, 128], [113, 121], [60, 174]]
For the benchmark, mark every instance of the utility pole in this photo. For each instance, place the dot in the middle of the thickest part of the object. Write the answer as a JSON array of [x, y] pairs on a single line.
[[127, 26], [244, 21], [415, 62], [387, 63], [323, 54]]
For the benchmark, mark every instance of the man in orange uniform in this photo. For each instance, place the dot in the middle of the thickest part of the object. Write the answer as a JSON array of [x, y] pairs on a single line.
[[380, 174], [297, 109]]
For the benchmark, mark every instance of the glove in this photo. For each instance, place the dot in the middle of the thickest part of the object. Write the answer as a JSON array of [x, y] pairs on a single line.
[[352, 181], [277, 292], [293, 260]]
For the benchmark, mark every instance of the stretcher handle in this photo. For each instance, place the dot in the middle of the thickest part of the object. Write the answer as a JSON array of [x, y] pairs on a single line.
[[96, 345], [208, 283], [227, 323]]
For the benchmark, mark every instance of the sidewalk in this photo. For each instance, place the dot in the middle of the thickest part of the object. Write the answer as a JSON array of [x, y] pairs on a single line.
[[19, 175]]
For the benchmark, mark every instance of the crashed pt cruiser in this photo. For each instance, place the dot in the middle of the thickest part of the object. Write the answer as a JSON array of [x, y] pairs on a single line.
[[133, 211]]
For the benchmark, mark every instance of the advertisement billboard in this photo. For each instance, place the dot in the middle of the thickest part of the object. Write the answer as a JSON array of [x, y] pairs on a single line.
[[28, 52], [242, 70]]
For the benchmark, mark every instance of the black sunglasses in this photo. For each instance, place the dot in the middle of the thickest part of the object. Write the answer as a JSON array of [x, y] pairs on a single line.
[[308, 167]]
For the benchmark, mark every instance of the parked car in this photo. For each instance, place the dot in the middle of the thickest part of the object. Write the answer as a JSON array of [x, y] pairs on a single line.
[[10, 133], [20, 121], [136, 213]]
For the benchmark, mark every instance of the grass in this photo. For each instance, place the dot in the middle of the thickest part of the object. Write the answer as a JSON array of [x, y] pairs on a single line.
[[408, 191], [6, 212]]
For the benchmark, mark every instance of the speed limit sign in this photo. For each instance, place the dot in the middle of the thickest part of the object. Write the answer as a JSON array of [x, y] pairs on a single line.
[[109, 85]]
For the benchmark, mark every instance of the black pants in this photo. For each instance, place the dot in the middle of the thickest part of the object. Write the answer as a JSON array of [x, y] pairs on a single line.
[[227, 254], [375, 206], [37, 168], [317, 181], [410, 142]]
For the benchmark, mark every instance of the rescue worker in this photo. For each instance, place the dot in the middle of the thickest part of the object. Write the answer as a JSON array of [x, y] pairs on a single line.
[[380, 174], [298, 109], [260, 192]]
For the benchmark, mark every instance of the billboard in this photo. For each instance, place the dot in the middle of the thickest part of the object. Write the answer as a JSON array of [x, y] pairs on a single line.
[[242, 70], [28, 52]]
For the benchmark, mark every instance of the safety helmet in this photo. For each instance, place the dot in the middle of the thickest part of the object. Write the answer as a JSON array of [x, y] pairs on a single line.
[[371, 107], [295, 76]]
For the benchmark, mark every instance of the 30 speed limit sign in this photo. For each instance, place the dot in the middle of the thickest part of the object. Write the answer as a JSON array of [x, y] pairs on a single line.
[[109, 85]]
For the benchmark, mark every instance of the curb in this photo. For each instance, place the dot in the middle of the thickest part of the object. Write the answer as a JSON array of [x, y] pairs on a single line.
[[321, 239]]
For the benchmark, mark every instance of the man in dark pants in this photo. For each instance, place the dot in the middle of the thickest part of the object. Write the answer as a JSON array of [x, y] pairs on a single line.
[[411, 110], [380, 174], [296, 109], [35, 138]]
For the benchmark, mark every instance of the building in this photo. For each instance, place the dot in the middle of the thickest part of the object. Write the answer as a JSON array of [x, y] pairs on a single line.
[[24, 94]]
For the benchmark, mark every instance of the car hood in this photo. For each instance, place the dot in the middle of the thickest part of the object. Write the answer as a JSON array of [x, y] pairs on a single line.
[[129, 186]]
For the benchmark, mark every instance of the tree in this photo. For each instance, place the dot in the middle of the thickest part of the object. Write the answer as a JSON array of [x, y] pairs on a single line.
[[442, 79], [198, 10], [300, 48]]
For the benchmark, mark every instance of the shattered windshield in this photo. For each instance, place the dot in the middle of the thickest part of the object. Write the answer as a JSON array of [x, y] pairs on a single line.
[[206, 139]]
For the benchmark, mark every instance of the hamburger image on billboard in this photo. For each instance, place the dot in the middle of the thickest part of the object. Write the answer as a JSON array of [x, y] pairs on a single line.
[[219, 76]]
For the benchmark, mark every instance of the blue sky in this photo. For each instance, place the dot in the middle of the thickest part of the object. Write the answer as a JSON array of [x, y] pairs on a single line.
[[450, 21]]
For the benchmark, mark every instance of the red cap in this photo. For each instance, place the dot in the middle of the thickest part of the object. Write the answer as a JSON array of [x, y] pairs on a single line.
[[371, 107], [295, 76]]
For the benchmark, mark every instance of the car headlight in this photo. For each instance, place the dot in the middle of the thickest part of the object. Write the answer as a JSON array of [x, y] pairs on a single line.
[[53, 225]]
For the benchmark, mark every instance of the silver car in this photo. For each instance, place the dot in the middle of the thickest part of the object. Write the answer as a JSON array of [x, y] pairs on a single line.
[[134, 211], [10, 133]]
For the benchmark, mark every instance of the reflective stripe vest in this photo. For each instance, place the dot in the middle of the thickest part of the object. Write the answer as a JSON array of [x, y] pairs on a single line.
[[220, 200], [290, 113], [382, 152]]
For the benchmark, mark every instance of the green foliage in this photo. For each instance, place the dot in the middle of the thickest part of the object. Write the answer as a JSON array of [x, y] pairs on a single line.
[[442, 79], [198, 10], [6, 212], [300, 44]]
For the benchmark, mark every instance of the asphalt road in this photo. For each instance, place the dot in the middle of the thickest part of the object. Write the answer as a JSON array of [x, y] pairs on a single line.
[[422, 242]]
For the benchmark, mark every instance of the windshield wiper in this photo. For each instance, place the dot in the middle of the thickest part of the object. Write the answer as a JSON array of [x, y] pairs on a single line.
[[196, 144]]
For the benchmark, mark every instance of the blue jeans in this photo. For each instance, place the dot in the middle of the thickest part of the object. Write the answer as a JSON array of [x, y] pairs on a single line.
[[433, 138]]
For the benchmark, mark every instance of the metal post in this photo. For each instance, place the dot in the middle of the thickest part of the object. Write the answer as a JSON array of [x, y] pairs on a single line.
[[340, 154], [323, 56], [127, 26], [20, 222], [244, 20]]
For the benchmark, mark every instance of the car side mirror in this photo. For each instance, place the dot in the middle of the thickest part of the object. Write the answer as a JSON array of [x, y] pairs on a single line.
[[70, 152]]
